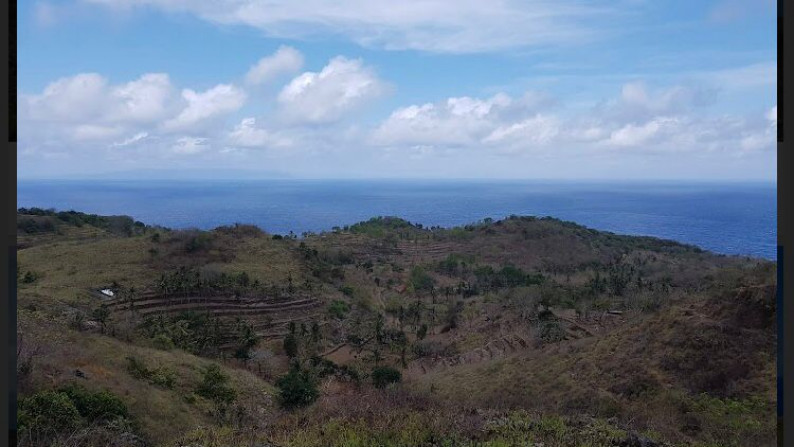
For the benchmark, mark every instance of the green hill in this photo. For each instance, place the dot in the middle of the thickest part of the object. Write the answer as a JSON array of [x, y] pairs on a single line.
[[388, 333]]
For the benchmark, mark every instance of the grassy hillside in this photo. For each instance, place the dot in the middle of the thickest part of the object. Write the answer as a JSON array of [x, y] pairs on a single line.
[[388, 333]]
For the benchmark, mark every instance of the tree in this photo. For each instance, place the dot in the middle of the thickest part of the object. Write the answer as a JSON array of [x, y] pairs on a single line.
[[102, 315], [453, 314], [422, 332], [420, 280], [291, 345], [215, 387], [315, 332], [247, 340], [297, 388]]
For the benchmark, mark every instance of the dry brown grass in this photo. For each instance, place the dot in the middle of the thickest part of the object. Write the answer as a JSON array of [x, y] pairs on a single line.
[[644, 371]]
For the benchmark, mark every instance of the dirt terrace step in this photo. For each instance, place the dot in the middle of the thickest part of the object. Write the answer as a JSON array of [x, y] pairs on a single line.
[[145, 301], [497, 347], [218, 304], [233, 310], [267, 325], [269, 335]]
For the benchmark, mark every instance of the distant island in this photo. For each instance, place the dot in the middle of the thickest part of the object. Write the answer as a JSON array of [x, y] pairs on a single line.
[[520, 331]]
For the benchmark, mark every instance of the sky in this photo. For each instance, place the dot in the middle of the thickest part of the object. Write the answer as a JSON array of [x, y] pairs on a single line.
[[447, 89]]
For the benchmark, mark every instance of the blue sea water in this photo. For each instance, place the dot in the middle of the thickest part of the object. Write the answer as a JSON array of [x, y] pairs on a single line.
[[730, 218]]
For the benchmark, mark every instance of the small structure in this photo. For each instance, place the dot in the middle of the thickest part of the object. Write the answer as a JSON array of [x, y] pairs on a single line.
[[107, 292]]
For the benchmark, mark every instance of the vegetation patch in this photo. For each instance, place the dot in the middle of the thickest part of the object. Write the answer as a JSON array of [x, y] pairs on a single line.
[[160, 376], [51, 416], [298, 388]]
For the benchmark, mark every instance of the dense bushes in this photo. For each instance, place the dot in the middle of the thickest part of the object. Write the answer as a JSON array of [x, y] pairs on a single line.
[[339, 309], [101, 405], [184, 280], [215, 386], [49, 413], [384, 375], [420, 280], [297, 388], [380, 226], [433, 348], [240, 230], [198, 241], [508, 276], [326, 368], [162, 377], [31, 225], [123, 225], [199, 333], [454, 264], [550, 331]]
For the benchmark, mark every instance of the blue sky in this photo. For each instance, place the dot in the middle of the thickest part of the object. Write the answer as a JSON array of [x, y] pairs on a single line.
[[434, 89]]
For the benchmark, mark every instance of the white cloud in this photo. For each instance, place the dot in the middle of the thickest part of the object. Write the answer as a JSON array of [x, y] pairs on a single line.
[[87, 132], [537, 130], [771, 115], [247, 135], [432, 25], [89, 112], [146, 116], [763, 138], [499, 121], [455, 122], [189, 145], [632, 135], [146, 99], [638, 102], [219, 100], [637, 119], [340, 87], [87, 98], [131, 140], [284, 61], [76, 98]]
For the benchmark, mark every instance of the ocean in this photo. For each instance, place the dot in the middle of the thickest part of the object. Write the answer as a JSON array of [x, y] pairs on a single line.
[[729, 218]]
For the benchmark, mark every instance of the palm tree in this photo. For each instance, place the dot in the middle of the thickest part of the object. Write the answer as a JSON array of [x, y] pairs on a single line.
[[102, 315]]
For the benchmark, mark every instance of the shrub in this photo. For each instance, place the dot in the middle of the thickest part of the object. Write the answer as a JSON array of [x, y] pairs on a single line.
[[29, 277], [68, 408], [550, 331], [214, 386], [338, 309], [240, 230], [162, 341], [32, 225], [291, 345], [137, 368], [102, 405], [159, 376], [420, 280], [297, 389], [422, 332], [163, 377], [384, 375], [47, 411], [198, 242]]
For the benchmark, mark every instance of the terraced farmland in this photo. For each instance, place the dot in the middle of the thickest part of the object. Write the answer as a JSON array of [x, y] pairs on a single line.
[[270, 316]]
